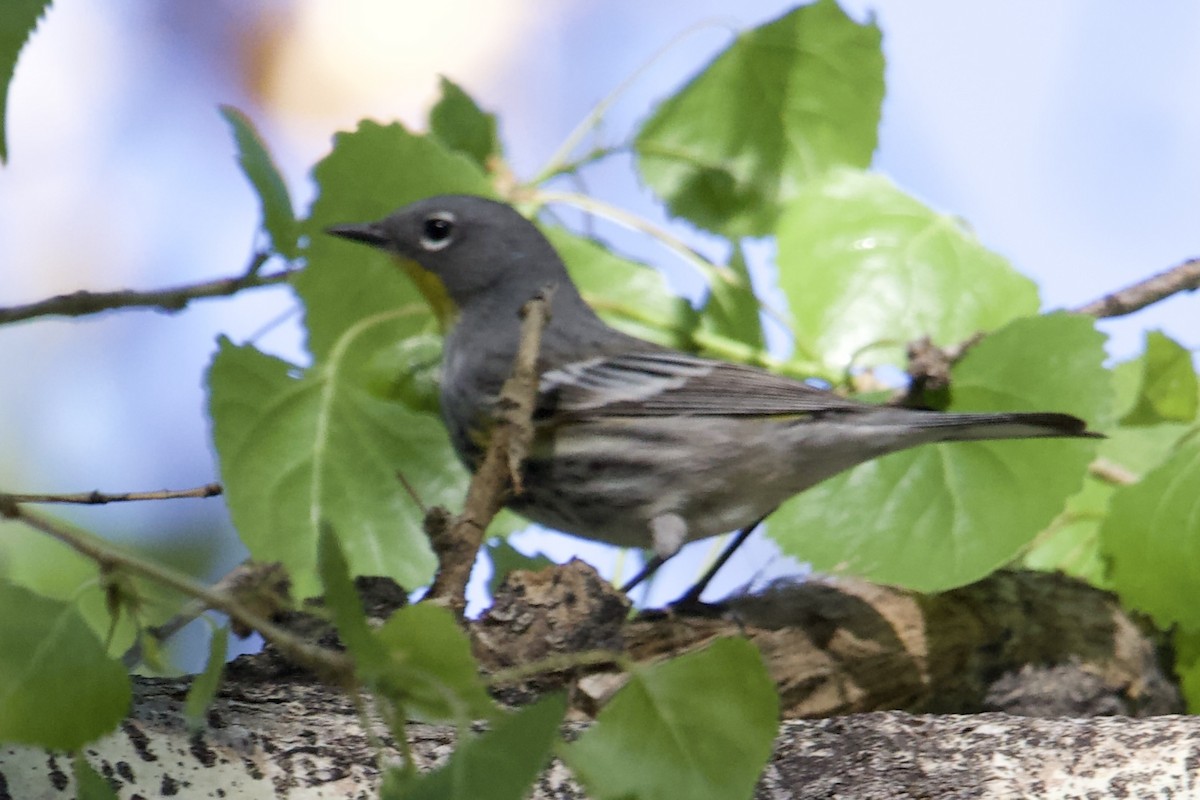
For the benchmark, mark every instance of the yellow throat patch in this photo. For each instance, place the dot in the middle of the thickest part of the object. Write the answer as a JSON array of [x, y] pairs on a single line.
[[434, 291]]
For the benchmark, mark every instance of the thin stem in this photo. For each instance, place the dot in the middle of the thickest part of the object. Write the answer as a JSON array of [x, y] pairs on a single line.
[[335, 668], [98, 498], [1184, 277], [83, 303], [561, 156], [1111, 472], [711, 272]]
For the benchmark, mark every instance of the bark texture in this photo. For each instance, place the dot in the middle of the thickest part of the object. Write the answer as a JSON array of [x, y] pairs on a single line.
[[1038, 645]]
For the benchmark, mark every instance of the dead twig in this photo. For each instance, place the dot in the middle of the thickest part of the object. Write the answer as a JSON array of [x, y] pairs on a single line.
[[457, 541], [98, 498], [929, 365], [1183, 277], [82, 303], [929, 369]]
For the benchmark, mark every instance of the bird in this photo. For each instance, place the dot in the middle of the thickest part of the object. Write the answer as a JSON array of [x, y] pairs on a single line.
[[635, 444]]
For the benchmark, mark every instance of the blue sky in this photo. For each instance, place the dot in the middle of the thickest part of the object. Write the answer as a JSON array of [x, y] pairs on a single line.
[[1067, 134]]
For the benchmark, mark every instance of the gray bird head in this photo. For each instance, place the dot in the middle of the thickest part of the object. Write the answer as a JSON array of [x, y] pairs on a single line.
[[471, 251]]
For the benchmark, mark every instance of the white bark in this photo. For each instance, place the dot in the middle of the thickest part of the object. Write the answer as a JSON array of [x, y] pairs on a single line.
[[300, 741]]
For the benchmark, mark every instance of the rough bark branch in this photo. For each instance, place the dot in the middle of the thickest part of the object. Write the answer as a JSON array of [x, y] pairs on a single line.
[[298, 741], [274, 731], [457, 541]]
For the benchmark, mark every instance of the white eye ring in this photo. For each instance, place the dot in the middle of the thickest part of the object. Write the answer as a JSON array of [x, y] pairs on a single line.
[[437, 231]]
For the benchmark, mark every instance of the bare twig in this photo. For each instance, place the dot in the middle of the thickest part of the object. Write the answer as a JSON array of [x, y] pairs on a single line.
[[97, 498], [82, 303], [264, 588], [929, 366], [1184, 277], [519, 393], [333, 667], [459, 541], [1111, 472], [412, 492]]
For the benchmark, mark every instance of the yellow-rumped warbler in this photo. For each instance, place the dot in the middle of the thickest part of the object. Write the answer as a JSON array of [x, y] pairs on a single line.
[[635, 444]]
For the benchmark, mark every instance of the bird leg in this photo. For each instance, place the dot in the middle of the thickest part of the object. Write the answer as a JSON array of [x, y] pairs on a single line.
[[668, 532], [691, 598], [646, 571]]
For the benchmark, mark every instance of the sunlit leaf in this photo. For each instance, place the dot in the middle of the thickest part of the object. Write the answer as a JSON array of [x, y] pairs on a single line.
[[297, 448], [943, 515], [1152, 536], [1168, 390], [786, 101], [867, 268]]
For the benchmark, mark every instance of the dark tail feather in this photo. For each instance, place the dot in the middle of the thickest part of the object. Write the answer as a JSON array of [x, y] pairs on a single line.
[[1017, 425]]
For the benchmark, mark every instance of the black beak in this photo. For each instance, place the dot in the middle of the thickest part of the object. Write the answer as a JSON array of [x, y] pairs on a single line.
[[367, 233]]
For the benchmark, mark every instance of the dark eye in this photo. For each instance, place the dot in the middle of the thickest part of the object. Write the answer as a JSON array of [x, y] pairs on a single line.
[[437, 231]]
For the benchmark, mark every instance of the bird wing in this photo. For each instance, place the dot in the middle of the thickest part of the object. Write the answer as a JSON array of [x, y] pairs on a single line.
[[664, 383]]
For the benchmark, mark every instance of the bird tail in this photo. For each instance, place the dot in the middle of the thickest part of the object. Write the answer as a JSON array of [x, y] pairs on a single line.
[[969, 427]]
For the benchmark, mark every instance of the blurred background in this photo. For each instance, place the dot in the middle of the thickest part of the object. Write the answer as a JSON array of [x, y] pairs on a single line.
[[1067, 134]]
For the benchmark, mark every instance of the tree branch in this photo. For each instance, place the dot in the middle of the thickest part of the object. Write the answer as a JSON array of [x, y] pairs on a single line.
[[929, 365], [332, 667], [1183, 277], [82, 303], [458, 543], [98, 498]]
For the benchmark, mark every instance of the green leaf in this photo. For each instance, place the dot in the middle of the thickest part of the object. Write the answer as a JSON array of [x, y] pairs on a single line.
[[462, 126], [204, 686], [498, 765], [278, 218], [51, 569], [369, 174], [782, 104], [1186, 644], [939, 516], [1075, 546], [629, 296], [433, 672], [1136, 448], [732, 309], [1072, 543], [698, 726], [419, 659], [1168, 391], [345, 606], [407, 371], [58, 687], [1152, 538], [296, 448], [866, 268], [89, 784], [17, 23], [506, 558]]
